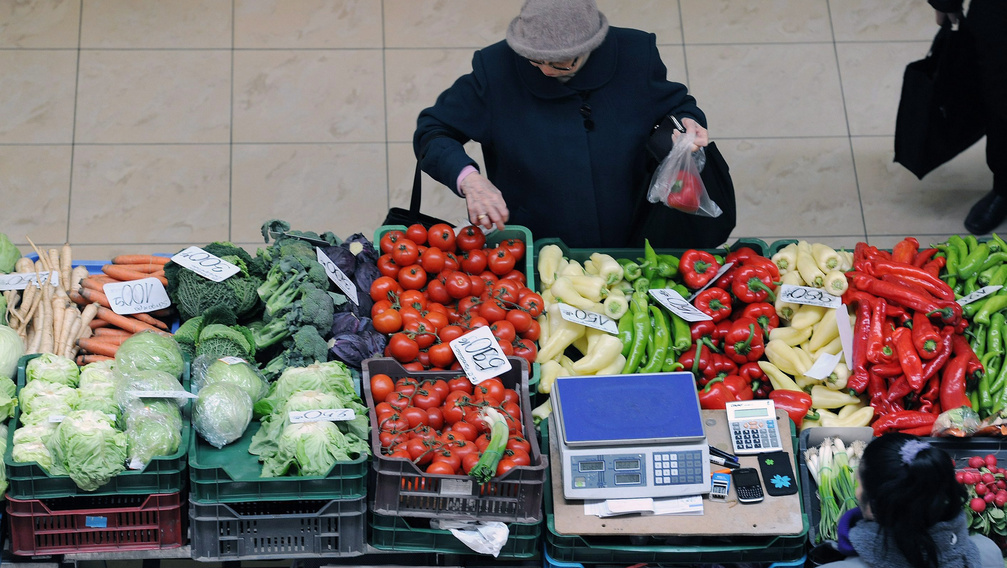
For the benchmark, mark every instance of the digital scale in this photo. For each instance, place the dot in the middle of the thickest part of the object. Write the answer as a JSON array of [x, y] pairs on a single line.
[[628, 436]]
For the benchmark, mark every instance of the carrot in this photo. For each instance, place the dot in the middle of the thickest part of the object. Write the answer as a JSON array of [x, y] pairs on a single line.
[[123, 322], [140, 259], [163, 313], [99, 346], [125, 274], [145, 268], [149, 319], [95, 296], [95, 283], [111, 332], [92, 358], [97, 323]]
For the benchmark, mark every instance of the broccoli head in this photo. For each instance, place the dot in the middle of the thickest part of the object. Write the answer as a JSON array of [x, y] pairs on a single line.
[[314, 307], [305, 347]]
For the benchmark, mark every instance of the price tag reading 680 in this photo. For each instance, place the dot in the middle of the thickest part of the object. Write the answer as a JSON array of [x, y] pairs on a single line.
[[205, 264], [480, 355]]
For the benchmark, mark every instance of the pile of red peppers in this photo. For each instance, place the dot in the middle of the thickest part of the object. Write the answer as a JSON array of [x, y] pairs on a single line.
[[910, 354]]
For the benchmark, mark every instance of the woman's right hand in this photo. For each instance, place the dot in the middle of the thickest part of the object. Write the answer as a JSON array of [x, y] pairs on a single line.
[[485, 202]]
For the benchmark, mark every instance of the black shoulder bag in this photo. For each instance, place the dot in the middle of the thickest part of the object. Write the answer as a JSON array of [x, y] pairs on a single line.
[[400, 216]]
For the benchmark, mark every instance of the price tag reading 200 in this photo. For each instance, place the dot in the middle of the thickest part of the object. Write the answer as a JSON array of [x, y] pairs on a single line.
[[480, 355], [205, 264], [809, 296]]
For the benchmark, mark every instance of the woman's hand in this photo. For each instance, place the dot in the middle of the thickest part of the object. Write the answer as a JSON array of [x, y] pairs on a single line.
[[702, 136], [485, 202]]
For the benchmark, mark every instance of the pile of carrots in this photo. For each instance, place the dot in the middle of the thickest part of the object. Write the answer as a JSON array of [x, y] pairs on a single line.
[[109, 329]]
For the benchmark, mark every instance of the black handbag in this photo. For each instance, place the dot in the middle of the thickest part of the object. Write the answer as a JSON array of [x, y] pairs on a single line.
[[411, 216], [665, 227], [941, 109]]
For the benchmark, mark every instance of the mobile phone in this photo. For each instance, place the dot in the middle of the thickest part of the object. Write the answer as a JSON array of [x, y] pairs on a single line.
[[747, 484]]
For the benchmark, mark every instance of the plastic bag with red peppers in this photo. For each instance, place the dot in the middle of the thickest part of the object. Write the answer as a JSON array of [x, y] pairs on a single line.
[[959, 422]]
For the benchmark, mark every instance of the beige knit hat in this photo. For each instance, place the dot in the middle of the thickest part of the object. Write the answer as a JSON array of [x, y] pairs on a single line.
[[557, 30]]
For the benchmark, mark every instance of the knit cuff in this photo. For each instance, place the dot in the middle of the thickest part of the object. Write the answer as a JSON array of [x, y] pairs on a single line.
[[465, 171]]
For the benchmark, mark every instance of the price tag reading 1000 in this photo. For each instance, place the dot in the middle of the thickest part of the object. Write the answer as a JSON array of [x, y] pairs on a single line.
[[205, 264], [480, 355]]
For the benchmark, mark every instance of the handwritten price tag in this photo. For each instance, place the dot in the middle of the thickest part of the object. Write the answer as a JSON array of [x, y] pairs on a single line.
[[978, 294], [808, 295], [678, 305], [341, 280], [480, 355], [136, 296], [325, 415], [161, 394], [205, 264], [21, 280], [589, 319]]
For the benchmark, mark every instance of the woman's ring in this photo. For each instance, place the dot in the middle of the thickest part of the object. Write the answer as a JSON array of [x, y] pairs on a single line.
[[480, 217]]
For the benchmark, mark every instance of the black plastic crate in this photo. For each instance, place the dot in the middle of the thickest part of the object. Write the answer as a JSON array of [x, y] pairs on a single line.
[[414, 534]]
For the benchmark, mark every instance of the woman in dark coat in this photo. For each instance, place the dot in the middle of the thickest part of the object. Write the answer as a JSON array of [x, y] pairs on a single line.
[[563, 109]]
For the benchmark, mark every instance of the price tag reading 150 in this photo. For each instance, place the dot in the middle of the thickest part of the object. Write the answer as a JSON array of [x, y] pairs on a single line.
[[205, 264], [809, 296], [480, 355], [588, 319], [678, 305]]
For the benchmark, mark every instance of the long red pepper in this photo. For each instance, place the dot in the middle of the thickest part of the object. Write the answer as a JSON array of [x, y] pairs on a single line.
[[931, 393], [944, 349], [910, 282], [898, 388], [924, 256], [876, 341], [950, 311], [905, 250], [861, 332], [953, 383], [926, 338], [909, 359], [878, 393], [935, 286], [903, 420]]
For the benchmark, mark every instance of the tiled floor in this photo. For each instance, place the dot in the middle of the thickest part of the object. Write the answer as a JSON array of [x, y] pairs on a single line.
[[149, 125]]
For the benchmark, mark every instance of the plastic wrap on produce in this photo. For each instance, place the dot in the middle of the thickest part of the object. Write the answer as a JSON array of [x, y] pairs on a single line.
[[207, 371], [149, 350], [221, 413]]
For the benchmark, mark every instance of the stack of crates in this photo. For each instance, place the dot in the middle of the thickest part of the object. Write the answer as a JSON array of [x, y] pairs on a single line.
[[235, 514], [405, 499], [135, 510]]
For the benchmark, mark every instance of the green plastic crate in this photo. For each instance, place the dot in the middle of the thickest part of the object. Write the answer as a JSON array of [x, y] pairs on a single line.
[[231, 474], [408, 534], [164, 474], [668, 549]]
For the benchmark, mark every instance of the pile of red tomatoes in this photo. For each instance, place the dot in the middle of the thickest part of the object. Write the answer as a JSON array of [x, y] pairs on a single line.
[[436, 286]]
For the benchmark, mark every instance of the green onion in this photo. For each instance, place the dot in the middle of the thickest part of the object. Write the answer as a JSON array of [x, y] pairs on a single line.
[[486, 467]]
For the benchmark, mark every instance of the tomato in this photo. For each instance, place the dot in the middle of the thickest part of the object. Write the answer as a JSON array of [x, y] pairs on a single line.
[[402, 348], [533, 304], [507, 290], [413, 299], [399, 454], [525, 348], [500, 261], [515, 246], [441, 236], [412, 277], [482, 441], [387, 322], [520, 457], [455, 405], [441, 355], [463, 448], [458, 284], [440, 468], [520, 319], [489, 278], [422, 332], [388, 240], [409, 314], [395, 422], [446, 455], [469, 462], [381, 386], [461, 384], [382, 409], [437, 320], [405, 252], [380, 306], [511, 395], [415, 416], [478, 285], [387, 266], [382, 287], [465, 430], [475, 322], [494, 311], [450, 332], [435, 418], [437, 291], [468, 305], [406, 385], [426, 398], [417, 233], [515, 275], [534, 332], [503, 330], [413, 366], [432, 260], [492, 388], [389, 438], [518, 443], [473, 261], [505, 465], [451, 261], [470, 238], [419, 451]]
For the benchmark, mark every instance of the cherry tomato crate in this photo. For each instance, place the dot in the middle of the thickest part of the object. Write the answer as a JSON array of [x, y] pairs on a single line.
[[95, 524], [164, 474], [263, 530], [402, 489]]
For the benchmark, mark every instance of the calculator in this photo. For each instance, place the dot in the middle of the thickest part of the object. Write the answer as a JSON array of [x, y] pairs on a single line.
[[753, 425]]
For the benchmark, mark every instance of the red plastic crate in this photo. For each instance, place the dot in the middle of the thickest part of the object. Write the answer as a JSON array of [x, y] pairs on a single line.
[[95, 524]]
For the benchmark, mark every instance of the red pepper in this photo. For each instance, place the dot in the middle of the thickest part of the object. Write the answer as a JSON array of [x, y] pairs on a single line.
[[876, 348], [796, 404], [727, 278], [701, 329], [944, 349], [697, 267], [753, 284], [744, 342], [720, 366], [751, 372], [953, 383], [720, 332], [950, 311], [739, 387], [903, 420], [924, 256], [929, 398], [686, 193], [715, 395], [765, 314], [933, 266], [713, 302], [740, 255], [861, 335], [898, 388], [905, 250], [926, 338], [909, 359], [887, 370], [695, 359], [745, 256], [879, 395]]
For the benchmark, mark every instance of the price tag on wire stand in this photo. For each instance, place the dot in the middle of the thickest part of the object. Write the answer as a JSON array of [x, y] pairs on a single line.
[[809, 296], [136, 296], [678, 305], [341, 280], [978, 294], [205, 264], [323, 415], [21, 280], [480, 355], [588, 319]]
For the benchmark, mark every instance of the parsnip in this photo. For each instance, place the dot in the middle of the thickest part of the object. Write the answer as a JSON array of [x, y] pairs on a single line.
[[48, 341], [24, 264], [71, 327], [76, 275], [54, 263], [66, 267], [58, 308]]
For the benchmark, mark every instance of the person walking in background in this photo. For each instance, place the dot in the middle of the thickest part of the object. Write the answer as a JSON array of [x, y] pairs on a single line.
[[987, 21]]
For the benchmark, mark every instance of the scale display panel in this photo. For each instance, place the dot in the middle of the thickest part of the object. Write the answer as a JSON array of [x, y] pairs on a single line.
[[628, 409]]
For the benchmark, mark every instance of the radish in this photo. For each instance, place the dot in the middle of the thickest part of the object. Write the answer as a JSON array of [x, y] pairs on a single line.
[[976, 462], [991, 460], [981, 489], [978, 505]]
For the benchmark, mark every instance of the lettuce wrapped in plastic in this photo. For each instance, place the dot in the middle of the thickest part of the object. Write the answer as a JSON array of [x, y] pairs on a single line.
[[88, 448], [40, 399], [8, 400], [149, 350], [229, 370], [221, 413], [152, 431], [52, 368], [308, 449], [331, 377], [128, 384]]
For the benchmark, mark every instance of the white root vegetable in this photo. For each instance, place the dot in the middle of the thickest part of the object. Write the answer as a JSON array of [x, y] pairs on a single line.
[[66, 267], [69, 340], [58, 308]]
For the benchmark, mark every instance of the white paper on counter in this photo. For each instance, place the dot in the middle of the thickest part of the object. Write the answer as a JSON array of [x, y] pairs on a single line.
[[687, 505]]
